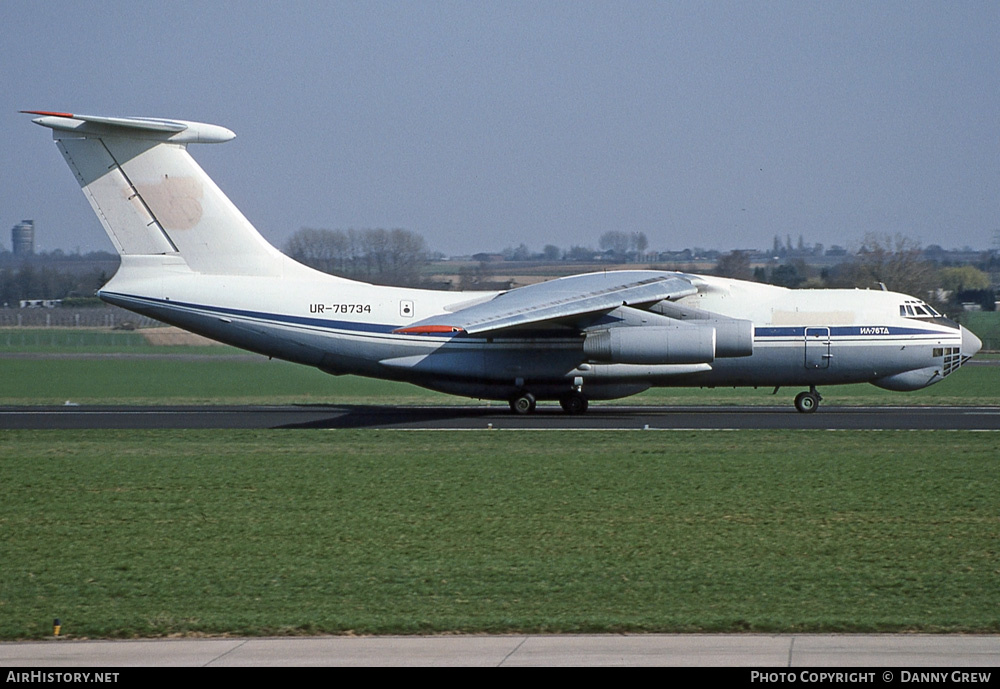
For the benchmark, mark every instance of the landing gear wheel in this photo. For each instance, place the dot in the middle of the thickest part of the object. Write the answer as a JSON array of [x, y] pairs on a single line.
[[807, 402], [574, 403], [523, 403]]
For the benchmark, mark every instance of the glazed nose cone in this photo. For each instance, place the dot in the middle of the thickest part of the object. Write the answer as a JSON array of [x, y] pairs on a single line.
[[970, 343]]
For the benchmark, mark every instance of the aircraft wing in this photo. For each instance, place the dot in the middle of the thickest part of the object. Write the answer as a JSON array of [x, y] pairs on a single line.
[[577, 296]]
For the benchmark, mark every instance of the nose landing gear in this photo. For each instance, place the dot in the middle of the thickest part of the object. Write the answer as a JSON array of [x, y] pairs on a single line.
[[808, 402]]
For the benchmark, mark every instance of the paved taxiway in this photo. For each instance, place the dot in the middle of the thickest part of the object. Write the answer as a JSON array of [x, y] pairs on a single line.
[[733, 650], [499, 417]]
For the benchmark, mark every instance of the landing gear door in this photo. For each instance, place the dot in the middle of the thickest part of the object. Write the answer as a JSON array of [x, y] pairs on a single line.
[[817, 348]]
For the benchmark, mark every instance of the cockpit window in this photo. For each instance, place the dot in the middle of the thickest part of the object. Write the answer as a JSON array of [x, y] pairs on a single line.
[[917, 309]]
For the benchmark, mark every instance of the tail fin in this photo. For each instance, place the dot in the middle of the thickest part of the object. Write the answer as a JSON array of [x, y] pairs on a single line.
[[153, 198]]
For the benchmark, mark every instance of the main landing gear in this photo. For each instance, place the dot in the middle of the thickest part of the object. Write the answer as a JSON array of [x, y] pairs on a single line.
[[573, 402], [523, 403], [807, 402]]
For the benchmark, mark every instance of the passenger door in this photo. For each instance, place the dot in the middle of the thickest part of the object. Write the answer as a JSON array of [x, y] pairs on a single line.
[[817, 348]]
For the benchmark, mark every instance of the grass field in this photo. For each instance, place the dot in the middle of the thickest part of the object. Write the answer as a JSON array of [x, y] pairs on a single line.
[[123, 534]]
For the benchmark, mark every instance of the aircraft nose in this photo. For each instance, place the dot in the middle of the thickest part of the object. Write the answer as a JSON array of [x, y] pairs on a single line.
[[970, 343]]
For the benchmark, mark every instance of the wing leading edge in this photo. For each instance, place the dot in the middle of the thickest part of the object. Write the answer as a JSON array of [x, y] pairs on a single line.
[[573, 297]]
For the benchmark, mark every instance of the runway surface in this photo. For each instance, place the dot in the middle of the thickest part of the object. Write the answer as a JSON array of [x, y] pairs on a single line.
[[722, 650], [500, 417]]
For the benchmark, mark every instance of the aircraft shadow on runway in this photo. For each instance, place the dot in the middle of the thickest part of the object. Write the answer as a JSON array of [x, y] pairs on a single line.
[[369, 416]]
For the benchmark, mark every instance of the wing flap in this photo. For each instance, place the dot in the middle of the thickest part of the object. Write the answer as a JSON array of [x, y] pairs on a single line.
[[566, 298]]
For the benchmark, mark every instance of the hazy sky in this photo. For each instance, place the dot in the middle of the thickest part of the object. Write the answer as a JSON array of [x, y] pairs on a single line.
[[483, 125]]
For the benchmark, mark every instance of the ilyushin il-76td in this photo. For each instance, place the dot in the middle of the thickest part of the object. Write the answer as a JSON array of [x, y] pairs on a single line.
[[191, 259]]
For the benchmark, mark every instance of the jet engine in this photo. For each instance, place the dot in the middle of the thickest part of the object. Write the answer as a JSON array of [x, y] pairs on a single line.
[[670, 344]]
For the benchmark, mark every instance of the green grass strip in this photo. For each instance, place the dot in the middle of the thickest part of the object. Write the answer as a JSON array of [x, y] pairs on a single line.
[[148, 533]]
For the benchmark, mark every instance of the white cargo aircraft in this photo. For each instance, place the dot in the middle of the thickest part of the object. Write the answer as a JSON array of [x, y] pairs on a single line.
[[191, 259]]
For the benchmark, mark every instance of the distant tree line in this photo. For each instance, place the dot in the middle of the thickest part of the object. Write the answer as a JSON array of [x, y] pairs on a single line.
[[895, 261], [615, 245], [32, 282], [387, 257], [625, 244], [53, 275]]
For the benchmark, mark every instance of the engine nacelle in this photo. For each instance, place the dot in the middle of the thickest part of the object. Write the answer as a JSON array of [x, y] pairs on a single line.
[[677, 344], [733, 337]]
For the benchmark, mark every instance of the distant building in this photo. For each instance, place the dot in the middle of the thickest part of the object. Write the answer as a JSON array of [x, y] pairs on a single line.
[[40, 303], [22, 238]]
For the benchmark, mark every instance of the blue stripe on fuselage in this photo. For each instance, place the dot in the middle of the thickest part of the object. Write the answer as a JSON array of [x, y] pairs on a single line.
[[844, 331], [274, 317]]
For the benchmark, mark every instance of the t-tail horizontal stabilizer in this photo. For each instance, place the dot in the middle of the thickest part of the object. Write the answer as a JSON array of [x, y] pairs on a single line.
[[175, 131]]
